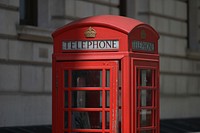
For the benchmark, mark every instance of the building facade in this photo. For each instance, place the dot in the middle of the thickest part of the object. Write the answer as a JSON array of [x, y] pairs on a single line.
[[26, 48]]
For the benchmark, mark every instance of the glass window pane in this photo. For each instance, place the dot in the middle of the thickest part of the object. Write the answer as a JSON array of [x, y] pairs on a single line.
[[145, 118], [146, 77], [87, 99], [119, 120], [28, 12], [138, 98], [107, 115], [86, 78], [66, 99], [146, 98], [107, 99], [138, 80], [66, 78], [66, 119], [107, 78], [87, 120]]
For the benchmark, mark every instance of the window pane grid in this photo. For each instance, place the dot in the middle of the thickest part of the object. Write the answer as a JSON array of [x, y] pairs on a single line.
[[146, 103], [104, 108], [148, 95]]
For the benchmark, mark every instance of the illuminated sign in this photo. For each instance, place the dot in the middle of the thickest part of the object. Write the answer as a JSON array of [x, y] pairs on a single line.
[[143, 46], [91, 45]]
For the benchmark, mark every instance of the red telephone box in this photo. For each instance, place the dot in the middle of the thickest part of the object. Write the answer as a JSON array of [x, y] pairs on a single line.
[[106, 76]]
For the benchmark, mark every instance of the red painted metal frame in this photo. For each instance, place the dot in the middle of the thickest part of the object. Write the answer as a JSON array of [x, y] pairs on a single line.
[[108, 27], [126, 78], [86, 65], [138, 64]]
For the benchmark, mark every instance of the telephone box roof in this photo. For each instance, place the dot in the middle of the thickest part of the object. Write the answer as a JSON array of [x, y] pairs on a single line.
[[120, 23]]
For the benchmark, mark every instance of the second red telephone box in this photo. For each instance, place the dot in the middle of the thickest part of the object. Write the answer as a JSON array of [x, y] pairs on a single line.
[[106, 76]]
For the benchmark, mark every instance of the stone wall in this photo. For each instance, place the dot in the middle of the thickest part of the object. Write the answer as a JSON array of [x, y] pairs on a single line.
[[65, 11], [25, 70], [25, 55], [180, 72]]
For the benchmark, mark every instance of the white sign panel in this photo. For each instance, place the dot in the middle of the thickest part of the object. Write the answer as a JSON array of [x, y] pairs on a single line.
[[91, 45]]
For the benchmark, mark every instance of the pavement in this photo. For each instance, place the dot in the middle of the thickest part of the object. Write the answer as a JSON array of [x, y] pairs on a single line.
[[180, 126], [166, 126]]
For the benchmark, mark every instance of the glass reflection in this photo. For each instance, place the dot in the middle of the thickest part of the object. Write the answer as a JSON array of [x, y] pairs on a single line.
[[145, 77], [145, 118], [107, 115], [87, 99], [146, 98], [107, 99], [86, 78], [107, 78], [87, 120]]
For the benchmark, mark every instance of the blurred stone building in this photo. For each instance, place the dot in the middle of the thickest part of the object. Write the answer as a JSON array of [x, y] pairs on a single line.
[[26, 48]]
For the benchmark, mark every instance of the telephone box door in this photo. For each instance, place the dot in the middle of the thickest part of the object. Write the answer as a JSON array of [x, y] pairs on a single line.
[[87, 93], [146, 79]]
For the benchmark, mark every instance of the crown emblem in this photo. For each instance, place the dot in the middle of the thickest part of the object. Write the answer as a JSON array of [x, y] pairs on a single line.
[[143, 34], [90, 33]]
